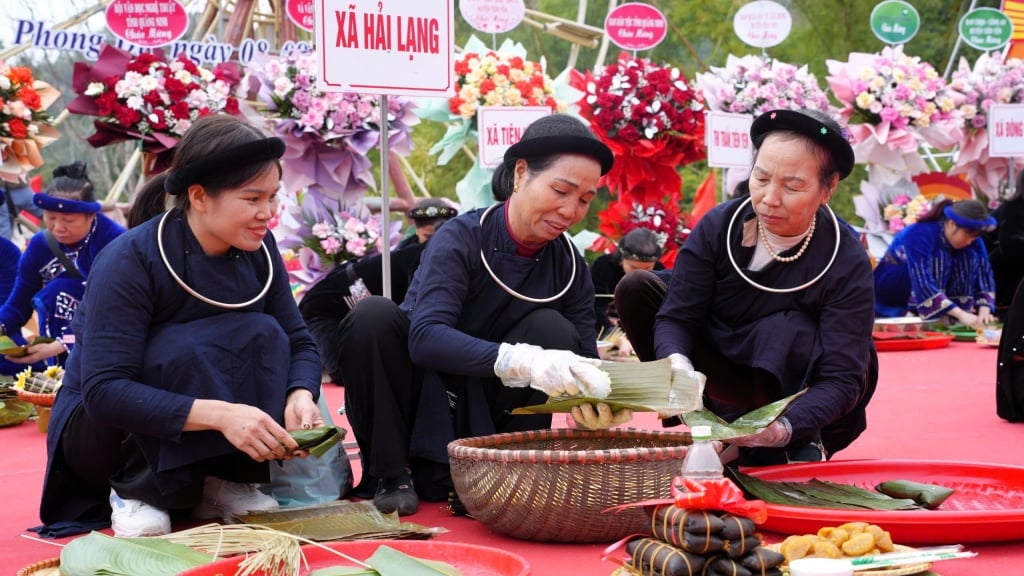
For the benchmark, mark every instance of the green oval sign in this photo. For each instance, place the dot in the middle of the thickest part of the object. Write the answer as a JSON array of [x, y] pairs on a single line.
[[986, 29], [895, 21]]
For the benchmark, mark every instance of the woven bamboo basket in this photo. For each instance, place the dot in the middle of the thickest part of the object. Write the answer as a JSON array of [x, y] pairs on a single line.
[[37, 398], [50, 567], [555, 485]]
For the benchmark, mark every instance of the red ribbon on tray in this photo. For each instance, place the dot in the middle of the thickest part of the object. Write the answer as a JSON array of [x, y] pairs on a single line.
[[720, 494]]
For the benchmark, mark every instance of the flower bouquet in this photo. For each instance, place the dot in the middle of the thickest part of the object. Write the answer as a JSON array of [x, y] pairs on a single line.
[[316, 238], [893, 103], [992, 80], [664, 218], [150, 99], [651, 118], [754, 84], [328, 134], [25, 127], [486, 77]]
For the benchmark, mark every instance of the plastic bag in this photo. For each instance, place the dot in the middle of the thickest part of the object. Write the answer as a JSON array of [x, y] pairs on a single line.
[[310, 480]]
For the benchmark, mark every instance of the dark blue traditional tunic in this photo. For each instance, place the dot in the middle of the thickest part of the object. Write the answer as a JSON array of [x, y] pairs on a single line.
[[921, 273], [818, 338], [147, 350], [44, 286], [9, 255]]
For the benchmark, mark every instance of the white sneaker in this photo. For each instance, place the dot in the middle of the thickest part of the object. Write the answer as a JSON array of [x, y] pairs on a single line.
[[135, 518], [226, 500]]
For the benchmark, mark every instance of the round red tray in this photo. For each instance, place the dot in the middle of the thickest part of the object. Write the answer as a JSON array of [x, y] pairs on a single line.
[[987, 505], [892, 341], [470, 559]]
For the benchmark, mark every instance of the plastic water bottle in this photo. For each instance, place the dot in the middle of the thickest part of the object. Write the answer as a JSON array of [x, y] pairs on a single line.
[[701, 461]]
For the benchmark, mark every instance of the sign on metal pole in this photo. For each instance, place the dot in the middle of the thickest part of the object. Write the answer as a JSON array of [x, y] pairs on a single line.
[[728, 139], [499, 127], [1006, 130]]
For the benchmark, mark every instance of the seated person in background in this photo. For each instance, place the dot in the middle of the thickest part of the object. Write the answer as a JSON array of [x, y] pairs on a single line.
[[1005, 247], [426, 215], [500, 314], [193, 363], [936, 267], [771, 295], [639, 249], [52, 272], [9, 256]]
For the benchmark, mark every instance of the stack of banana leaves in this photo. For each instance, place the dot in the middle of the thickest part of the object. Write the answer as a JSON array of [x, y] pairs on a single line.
[[12, 410], [819, 494]]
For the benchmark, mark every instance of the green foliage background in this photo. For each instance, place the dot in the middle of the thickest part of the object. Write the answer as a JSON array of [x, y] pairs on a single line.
[[700, 35]]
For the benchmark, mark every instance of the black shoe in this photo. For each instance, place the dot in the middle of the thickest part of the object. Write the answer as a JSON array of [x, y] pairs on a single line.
[[397, 494], [366, 489]]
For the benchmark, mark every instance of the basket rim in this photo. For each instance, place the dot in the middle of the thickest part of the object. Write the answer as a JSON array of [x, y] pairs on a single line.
[[37, 398], [488, 448], [41, 565]]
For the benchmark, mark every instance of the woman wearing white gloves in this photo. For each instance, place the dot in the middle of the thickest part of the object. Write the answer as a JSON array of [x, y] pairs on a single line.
[[500, 314], [770, 295]]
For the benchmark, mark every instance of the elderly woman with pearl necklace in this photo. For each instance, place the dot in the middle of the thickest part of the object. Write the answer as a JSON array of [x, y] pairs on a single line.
[[771, 295]]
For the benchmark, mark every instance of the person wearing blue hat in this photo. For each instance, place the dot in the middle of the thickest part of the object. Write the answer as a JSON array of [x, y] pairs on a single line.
[[936, 267], [771, 295], [55, 266]]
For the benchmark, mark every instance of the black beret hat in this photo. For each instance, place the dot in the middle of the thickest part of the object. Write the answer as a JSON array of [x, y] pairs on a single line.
[[828, 135], [561, 134]]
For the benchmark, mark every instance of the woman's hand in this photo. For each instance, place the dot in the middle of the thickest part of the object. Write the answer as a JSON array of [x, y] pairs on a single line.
[[984, 317], [301, 412], [966, 318], [554, 372], [599, 416], [247, 428], [776, 434], [39, 352]]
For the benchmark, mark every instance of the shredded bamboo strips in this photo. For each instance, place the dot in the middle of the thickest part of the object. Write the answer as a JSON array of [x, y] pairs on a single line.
[[639, 386]]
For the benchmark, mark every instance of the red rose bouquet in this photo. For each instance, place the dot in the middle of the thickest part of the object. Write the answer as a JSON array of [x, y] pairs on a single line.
[[651, 118], [25, 127], [148, 98]]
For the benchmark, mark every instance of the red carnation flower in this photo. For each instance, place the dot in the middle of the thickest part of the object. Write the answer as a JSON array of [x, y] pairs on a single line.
[[105, 103], [30, 97], [486, 86], [180, 110], [153, 98], [231, 106], [127, 117], [176, 89], [17, 128]]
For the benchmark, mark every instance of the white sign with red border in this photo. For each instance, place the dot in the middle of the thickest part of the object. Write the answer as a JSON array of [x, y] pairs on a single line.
[[493, 16], [389, 47], [728, 139], [147, 23], [1006, 130], [301, 13], [499, 127], [762, 24], [634, 26]]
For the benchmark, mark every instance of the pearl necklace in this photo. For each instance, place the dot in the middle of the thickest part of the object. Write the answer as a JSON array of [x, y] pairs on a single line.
[[508, 289], [803, 247], [759, 286]]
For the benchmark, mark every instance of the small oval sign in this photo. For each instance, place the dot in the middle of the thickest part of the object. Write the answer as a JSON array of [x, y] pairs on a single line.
[[762, 24], [147, 23], [635, 26], [986, 29], [301, 13], [895, 21], [494, 16]]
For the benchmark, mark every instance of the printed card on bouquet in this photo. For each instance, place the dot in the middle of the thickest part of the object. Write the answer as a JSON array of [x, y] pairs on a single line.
[[301, 13], [728, 139], [389, 47], [635, 26], [494, 16], [147, 23], [762, 24], [499, 127], [1006, 137]]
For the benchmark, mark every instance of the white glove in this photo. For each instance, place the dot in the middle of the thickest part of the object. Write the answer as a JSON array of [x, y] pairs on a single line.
[[599, 416], [682, 364], [777, 434], [554, 372]]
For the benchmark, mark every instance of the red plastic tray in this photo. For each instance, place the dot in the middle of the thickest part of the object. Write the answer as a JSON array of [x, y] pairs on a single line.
[[892, 341], [470, 559], [987, 505]]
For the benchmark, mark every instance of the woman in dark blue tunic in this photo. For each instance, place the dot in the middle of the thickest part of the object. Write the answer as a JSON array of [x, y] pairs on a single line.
[[499, 314], [192, 363], [54, 268], [936, 267], [771, 295]]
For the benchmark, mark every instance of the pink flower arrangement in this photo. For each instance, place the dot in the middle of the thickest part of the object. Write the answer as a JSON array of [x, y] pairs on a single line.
[[753, 84], [992, 80], [893, 102], [904, 211], [328, 133]]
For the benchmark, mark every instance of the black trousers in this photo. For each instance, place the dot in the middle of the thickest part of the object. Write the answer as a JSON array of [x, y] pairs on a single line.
[[96, 458], [382, 385]]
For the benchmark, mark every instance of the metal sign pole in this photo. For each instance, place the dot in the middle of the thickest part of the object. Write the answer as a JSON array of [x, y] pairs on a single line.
[[384, 244]]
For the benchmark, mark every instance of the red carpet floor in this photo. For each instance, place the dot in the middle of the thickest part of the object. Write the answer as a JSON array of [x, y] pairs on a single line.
[[931, 404]]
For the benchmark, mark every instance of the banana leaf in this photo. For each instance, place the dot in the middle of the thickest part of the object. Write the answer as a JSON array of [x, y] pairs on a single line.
[[340, 520], [14, 412], [318, 441], [100, 555], [345, 571], [639, 386], [10, 348], [750, 423], [391, 562], [818, 494]]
